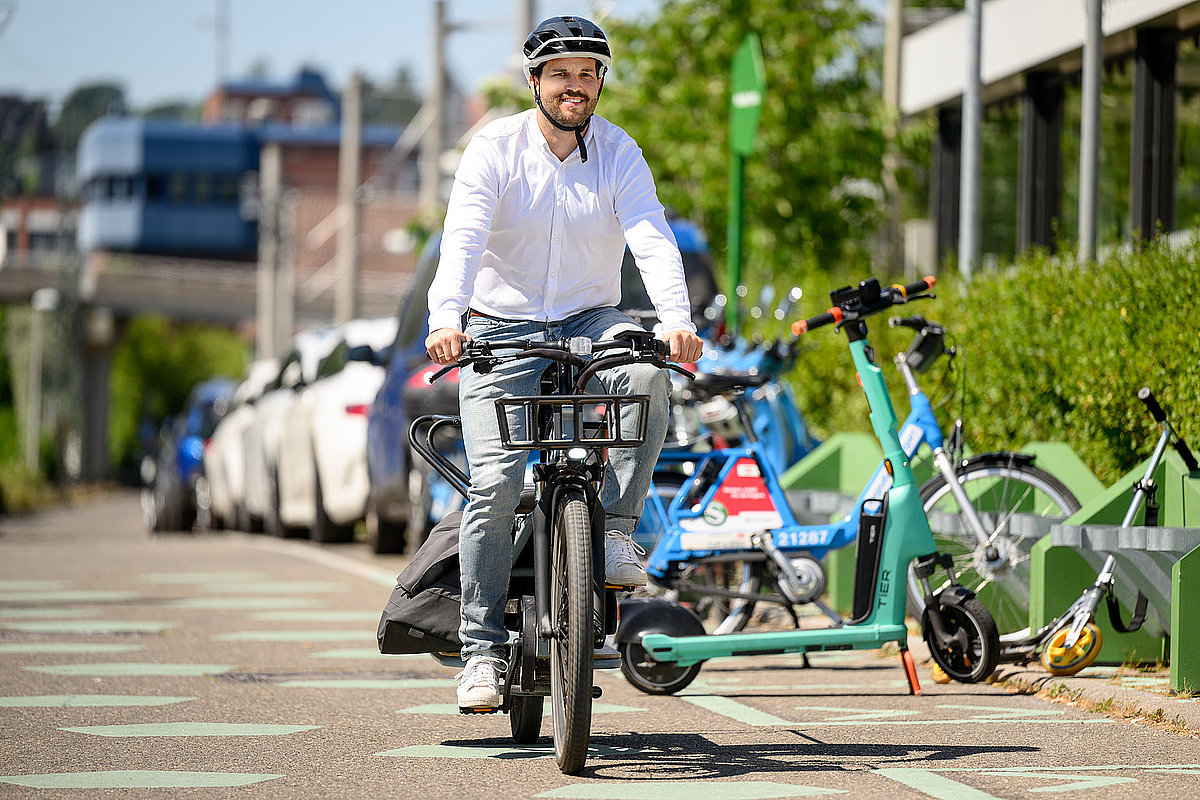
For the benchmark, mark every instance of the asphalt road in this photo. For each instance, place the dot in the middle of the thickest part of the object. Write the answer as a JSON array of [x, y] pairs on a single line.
[[218, 665]]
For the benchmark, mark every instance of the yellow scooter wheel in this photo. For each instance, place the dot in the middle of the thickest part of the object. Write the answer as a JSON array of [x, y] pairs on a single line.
[[1059, 659], [938, 674]]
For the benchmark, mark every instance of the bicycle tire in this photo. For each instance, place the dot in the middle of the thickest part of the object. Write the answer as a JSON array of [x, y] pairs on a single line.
[[978, 659], [525, 717], [1000, 487], [571, 600]]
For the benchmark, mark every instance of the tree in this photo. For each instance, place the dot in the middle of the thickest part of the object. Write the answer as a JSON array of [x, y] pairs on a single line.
[[812, 197], [82, 107]]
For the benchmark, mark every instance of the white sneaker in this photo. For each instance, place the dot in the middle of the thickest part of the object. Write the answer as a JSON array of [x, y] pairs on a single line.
[[479, 685], [622, 565]]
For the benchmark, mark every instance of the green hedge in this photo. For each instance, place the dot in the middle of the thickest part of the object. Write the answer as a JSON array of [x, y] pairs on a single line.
[[1053, 350]]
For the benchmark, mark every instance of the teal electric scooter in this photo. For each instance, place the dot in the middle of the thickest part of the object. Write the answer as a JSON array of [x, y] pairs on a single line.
[[665, 647]]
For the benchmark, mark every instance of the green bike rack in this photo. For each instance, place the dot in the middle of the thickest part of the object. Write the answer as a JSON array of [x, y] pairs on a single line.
[[1163, 561]]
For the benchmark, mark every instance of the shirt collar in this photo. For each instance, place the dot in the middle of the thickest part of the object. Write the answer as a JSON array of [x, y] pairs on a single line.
[[589, 136]]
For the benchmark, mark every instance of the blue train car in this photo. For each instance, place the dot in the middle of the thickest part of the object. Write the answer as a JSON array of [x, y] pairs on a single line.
[[163, 187]]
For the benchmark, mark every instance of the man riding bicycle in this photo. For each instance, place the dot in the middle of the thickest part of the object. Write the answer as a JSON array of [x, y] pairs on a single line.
[[543, 205]]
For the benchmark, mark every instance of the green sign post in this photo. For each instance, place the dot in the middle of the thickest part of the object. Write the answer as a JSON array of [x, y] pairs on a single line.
[[747, 87]]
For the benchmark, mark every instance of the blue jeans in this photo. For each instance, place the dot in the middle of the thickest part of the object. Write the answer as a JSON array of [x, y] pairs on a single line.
[[497, 474]]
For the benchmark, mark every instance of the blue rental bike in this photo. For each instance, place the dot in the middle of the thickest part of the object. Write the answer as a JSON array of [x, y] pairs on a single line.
[[734, 514]]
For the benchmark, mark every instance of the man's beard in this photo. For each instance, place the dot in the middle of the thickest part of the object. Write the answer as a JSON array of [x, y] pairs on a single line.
[[555, 111]]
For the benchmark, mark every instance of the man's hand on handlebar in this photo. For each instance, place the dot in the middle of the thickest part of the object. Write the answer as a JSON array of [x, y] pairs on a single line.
[[686, 347], [445, 345]]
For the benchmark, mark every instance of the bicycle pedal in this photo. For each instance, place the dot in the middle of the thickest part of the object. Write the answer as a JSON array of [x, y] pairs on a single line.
[[465, 710]]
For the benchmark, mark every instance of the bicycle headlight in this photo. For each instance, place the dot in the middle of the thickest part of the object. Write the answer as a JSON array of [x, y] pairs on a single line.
[[580, 345], [577, 454]]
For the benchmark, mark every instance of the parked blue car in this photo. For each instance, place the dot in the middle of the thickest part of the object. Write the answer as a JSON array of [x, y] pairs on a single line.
[[406, 496], [179, 467]]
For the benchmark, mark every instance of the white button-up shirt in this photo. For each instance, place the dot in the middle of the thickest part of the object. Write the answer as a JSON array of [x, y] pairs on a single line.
[[530, 237]]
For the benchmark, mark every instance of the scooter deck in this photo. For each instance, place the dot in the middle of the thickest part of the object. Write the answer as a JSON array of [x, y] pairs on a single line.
[[687, 650]]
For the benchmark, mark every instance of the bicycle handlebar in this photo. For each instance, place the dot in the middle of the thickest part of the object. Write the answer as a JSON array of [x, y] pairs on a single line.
[[640, 346], [1147, 397], [866, 299]]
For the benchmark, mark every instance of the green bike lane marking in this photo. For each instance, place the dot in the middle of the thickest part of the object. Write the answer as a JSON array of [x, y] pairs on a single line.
[[25, 585], [687, 790], [67, 596], [89, 701], [508, 753], [133, 669], [295, 636], [200, 577], [243, 603], [67, 648], [451, 709], [273, 587], [370, 683], [146, 729], [317, 616], [983, 715], [137, 779], [48, 613], [360, 652], [936, 784], [85, 627]]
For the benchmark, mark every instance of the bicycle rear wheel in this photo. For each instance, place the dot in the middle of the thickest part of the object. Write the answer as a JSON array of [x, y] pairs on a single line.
[[571, 611], [1014, 500]]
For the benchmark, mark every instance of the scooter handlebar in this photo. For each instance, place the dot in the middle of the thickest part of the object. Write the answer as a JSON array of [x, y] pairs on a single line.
[[868, 298]]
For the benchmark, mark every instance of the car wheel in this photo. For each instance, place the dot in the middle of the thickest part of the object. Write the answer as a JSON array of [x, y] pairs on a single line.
[[383, 534], [420, 504], [325, 530]]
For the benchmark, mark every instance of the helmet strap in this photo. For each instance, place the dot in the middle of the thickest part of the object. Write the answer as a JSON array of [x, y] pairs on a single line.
[[578, 130]]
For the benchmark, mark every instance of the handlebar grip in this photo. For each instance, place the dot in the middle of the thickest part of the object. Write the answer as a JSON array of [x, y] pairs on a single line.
[[917, 323], [1160, 416], [923, 285], [429, 379], [829, 317], [1147, 397]]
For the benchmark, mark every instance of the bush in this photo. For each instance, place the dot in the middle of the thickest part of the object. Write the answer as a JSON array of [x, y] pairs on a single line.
[[1055, 350]]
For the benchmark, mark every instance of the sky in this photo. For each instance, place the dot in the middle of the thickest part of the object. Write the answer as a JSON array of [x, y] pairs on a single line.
[[162, 51]]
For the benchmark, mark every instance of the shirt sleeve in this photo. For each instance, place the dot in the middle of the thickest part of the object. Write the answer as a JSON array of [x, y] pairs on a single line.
[[464, 234], [654, 248]]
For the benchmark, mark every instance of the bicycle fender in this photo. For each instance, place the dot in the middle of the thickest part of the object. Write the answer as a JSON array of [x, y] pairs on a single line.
[[1023, 459], [642, 615], [954, 595]]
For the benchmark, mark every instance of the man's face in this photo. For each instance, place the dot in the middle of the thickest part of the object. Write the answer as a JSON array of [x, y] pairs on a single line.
[[570, 88]]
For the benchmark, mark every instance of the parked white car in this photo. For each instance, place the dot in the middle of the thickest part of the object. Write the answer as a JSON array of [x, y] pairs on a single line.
[[322, 474], [225, 458], [297, 369]]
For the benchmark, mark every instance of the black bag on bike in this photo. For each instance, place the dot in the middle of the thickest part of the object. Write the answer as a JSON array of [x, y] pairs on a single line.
[[422, 615]]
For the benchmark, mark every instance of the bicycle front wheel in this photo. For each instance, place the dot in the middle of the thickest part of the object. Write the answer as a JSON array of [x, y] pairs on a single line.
[[1014, 501], [571, 610]]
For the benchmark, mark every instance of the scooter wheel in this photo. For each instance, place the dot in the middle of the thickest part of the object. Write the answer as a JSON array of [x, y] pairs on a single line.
[[938, 674], [1058, 659], [971, 653], [653, 677]]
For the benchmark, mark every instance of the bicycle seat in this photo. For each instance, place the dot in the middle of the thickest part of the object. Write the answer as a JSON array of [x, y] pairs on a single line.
[[714, 383]]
